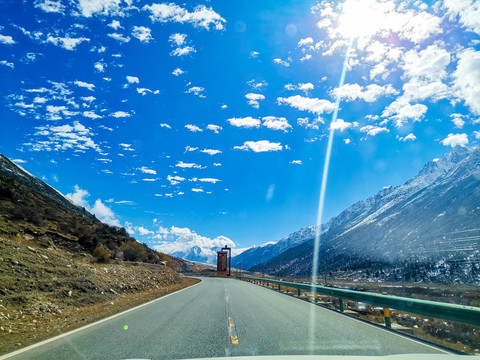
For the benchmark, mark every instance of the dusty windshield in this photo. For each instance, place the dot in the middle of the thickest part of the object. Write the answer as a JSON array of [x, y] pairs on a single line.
[[239, 178]]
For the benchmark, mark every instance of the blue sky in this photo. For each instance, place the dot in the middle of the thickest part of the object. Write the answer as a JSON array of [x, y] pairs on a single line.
[[204, 123]]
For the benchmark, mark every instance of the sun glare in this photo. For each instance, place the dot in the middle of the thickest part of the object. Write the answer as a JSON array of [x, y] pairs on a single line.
[[360, 18]]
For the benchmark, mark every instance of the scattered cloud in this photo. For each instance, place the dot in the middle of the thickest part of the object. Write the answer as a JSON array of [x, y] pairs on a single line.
[[67, 42], [369, 93], [257, 85], [196, 90], [147, 170], [120, 114], [466, 75], [50, 6], [6, 39], [201, 16], [193, 128], [313, 105], [142, 33], [178, 72], [246, 122], [281, 62], [84, 85], [276, 123], [373, 130], [410, 137], [132, 79], [183, 165], [260, 146], [297, 162], [119, 37], [215, 128], [340, 124], [253, 99], [455, 140]]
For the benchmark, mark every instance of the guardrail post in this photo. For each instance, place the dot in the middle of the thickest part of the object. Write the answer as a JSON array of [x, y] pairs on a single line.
[[316, 298], [388, 320], [299, 292], [340, 302], [279, 287]]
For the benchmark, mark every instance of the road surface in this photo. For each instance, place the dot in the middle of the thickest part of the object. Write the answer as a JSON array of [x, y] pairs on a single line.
[[225, 317]]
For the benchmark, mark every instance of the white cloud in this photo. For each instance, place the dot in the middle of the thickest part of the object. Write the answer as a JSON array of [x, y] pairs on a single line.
[[64, 137], [257, 85], [99, 209], [19, 161], [50, 6], [182, 51], [197, 190], [466, 79], [115, 25], [6, 39], [174, 180], [6, 63], [281, 62], [144, 231], [99, 67], [305, 87], [468, 12], [313, 105], [178, 72], [401, 111], [183, 165], [165, 125], [297, 162], [306, 123], [340, 124], [193, 128], [373, 130], [91, 115], [201, 16], [67, 42], [306, 57], [260, 146], [142, 33], [305, 42], [253, 99], [457, 120], [476, 134], [254, 54], [455, 140], [119, 37], [196, 90], [147, 170], [276, 123], [211, 151], [429, 63], [84, 85], [88, 8], [247, 122], [410, 136], [370, 93], [178, 39], [120, 114], [215, 128], [132, 79]]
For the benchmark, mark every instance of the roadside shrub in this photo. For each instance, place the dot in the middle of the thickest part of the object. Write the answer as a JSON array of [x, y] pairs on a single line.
[[101, 254], [27, 214], [133, 251]]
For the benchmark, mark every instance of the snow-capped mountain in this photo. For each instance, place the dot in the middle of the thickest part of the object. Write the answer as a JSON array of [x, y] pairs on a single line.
[[435, 216], [259, 254]]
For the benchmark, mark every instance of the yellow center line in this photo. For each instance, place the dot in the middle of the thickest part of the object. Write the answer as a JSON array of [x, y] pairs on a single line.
[[226, 298]]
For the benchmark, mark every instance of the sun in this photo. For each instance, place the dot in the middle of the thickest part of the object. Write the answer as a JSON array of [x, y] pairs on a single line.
[[361, 18]]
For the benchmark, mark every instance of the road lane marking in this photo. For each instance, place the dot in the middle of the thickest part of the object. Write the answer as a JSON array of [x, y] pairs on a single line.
[[226, 298], [30, 347], [234, 339]]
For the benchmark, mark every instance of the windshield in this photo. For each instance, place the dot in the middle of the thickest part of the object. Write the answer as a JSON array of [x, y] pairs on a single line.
[[263, 177]]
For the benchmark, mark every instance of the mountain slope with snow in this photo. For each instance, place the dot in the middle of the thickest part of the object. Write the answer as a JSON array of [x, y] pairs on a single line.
[[433, 217]]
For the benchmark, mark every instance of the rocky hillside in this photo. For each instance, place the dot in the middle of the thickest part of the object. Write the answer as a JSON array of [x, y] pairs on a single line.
[[427, 229]]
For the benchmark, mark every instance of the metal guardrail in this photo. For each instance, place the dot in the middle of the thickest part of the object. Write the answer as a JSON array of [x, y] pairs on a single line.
[[460, 313]]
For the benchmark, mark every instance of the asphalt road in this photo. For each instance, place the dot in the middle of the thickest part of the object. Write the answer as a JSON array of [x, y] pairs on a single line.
[[225, 317]]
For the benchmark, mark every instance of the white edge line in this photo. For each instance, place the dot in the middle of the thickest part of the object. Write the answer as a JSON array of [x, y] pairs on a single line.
[[366, 323], [41, 343]]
